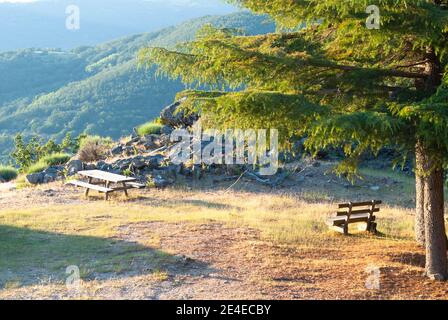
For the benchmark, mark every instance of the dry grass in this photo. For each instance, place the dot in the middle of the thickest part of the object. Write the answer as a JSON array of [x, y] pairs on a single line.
[[291, 255]]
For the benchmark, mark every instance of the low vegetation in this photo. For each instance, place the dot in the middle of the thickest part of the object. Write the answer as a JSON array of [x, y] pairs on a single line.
[[7, 173], [152, 127], [94, 148], [53, 159], [96, 236]]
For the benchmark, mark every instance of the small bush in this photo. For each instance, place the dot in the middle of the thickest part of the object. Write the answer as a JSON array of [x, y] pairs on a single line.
[[37, 167], [94, 148], [103, 141], [7, 173], [53, 159], [56, 159], [149, 128]]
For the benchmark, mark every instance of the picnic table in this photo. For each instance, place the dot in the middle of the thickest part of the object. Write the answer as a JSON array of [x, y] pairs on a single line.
[[105, 182]]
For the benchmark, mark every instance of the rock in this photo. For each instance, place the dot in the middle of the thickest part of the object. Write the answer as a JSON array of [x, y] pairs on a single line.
[[122, 165], [150, 142], [316, 164], [132, 141], [161, 182], [174, 117], [74, 166], [49, 178], [134, 133], [116, 151], [154, 162], [138, 163], [89, 166], [129, 151], [103, 166], [166, 130], [35, 178]]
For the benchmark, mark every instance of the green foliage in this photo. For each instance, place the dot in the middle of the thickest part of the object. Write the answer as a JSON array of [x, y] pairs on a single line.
[[94, 148], [36, 153], [94, 90], [149, 128], [98, 140], [55, 159], [37, 167], [8, 173], [334, 80]]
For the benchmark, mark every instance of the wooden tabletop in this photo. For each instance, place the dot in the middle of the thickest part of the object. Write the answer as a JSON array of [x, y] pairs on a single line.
[[106, 176]]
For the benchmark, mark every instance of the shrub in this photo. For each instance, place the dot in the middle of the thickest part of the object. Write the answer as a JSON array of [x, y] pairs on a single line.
[[149, 128], [85, 140], [55, 159], [39, 166], [7, 173], [94, 148]]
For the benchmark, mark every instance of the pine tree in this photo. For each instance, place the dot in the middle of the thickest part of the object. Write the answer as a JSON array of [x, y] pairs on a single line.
[[336, 81]]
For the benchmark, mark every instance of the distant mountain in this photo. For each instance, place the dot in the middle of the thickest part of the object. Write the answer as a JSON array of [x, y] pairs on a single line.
[[43, 23], [98, 90]]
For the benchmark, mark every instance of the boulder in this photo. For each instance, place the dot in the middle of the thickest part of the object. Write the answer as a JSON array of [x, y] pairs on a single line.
[[49, 177], [52, 173], [122, 165], [74, 166], [166, 130], [35, 178], [90, 166], [138, 163], [150, 142], [103, 166], [132, 141], [154, 162], [116, 151], [129, 151], [161, 182], [174, 117]]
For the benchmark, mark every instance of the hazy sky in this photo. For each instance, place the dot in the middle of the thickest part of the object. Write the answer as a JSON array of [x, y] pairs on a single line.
[[42, 23]]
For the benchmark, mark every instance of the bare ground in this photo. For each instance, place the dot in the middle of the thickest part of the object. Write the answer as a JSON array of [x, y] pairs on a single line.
[[215, 260]]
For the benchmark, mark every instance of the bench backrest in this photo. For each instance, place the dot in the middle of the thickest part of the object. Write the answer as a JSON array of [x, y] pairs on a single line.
[[359, 208]]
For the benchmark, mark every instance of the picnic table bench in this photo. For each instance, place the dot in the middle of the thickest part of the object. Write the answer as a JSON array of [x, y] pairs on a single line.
[[355, 212], [105, 182]]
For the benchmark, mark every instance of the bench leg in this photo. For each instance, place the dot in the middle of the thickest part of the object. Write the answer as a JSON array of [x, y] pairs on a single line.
[[125, 190], [371, 227], [107, 193], [87, 190], [345, 228]]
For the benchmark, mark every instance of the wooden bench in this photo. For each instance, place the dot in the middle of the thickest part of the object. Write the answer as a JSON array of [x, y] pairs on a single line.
[[355, 212], [90, 186], [101, 181]]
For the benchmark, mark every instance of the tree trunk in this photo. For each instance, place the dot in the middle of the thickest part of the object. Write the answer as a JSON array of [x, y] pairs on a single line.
[[419, 196], [436, 246]]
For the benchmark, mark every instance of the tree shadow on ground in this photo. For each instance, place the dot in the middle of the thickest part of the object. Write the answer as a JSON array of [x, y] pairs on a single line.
[[411, 259], [174, 203], [30, 257]]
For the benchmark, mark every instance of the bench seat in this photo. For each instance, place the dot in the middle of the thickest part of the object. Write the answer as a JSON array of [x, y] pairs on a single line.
[[136, 185], [356, 212], [354, 218], [90, 186]]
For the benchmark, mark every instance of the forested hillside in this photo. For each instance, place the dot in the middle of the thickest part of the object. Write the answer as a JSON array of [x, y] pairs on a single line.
[[98, 90]]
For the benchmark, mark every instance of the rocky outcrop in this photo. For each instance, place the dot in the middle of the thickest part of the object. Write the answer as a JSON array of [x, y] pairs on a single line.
[[50, 174], [74, 166], [175, 117]]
